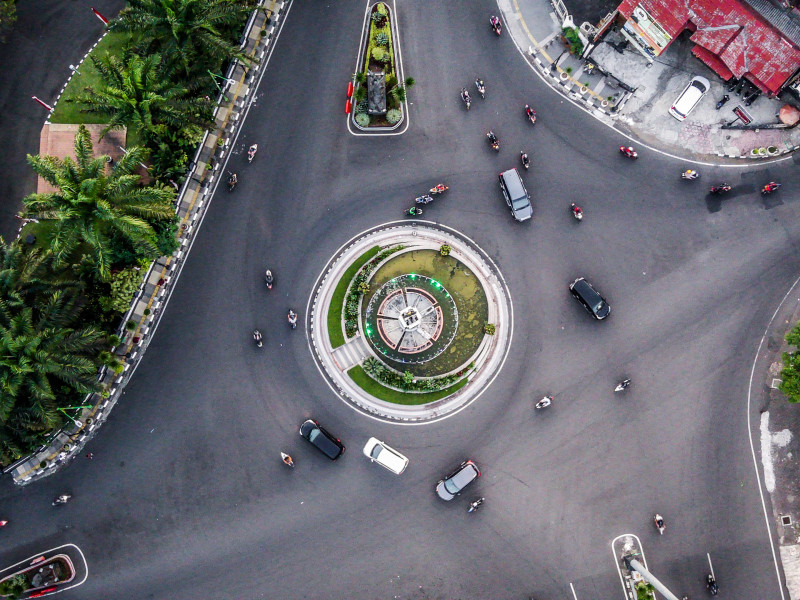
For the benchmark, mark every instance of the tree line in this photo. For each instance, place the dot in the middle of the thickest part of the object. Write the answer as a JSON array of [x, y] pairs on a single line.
[[66, 281]]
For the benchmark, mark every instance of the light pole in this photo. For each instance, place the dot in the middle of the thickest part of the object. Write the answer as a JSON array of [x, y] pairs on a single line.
[[554, 64], [65, 409]]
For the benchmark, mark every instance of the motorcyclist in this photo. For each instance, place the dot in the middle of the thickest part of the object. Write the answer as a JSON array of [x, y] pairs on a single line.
[[628, 151], [287, 460], [268, 277], [62, 499], [711, 584], [252, 151], [659, 522], [465, 96], [623, 385], [525, 160], [690, 174], [292, 316], [724, 187], [257, 337], [544, 402], [480, 85], [493, 140], [529, 111], [232, 180], [771, 187], [414, 211], [577, 211], [495, 24]]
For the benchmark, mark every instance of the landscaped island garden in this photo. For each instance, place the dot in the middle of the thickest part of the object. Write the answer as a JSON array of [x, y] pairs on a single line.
[[379, 94], [424, 315]]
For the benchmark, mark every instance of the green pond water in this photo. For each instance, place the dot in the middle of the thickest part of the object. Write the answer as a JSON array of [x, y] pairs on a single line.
[[465, 289]]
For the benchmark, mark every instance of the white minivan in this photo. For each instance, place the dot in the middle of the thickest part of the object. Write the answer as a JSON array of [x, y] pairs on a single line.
[[689, 97], [385, 456]]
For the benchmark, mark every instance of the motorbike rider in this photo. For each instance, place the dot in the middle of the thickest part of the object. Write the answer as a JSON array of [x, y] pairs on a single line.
[[292, 316], [544, 402], [493, 140], [690, 174], [252, 151], [659, 521], [525, 160], [711, 584], [232, 180], [414, 211], [529, 111], [576, 210], [771, 187], [623, 384], [495, 23], [479, 84], [268, 277], [257, 337], [62, 499], [465, 95], [628, 151]]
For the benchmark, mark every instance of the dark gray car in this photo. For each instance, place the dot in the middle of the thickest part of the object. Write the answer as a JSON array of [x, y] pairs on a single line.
[[449, 487], [516, 195], [590, 298]]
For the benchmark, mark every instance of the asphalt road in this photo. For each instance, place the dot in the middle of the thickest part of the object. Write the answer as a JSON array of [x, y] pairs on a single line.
[[186, 496]]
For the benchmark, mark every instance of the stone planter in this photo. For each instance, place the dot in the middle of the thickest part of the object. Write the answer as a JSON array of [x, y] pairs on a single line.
[[564, 76], [604, 103], [762, 152], [773, 151]]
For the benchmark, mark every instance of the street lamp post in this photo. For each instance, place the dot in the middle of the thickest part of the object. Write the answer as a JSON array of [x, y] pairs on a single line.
[[65, 409]]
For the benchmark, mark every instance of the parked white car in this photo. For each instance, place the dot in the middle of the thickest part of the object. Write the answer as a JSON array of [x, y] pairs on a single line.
[[385, 456], [689, 97]]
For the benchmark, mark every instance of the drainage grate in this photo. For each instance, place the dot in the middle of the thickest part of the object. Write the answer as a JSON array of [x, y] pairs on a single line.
[[786, 520]]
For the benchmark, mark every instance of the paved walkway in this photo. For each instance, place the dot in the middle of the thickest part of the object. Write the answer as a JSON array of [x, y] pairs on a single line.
[[351, 354], [603, 82]]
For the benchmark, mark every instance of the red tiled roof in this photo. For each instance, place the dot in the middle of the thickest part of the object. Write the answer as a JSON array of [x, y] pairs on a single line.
[[740, 40]]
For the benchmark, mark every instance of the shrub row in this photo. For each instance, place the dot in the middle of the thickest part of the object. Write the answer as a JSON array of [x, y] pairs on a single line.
[[360, 286], [406, 381]]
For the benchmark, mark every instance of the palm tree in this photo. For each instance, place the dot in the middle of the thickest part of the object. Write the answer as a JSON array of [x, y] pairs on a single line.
[[398, 92], [44, 360], [136, 93], [190, 33], [90, 206]]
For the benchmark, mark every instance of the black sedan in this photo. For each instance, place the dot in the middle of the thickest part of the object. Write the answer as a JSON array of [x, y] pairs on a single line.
[[327, 444]]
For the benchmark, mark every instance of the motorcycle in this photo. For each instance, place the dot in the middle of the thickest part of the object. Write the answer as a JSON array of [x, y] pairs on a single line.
[[257, 337], [531, 114], [465, 97], [481, 87], [252, 152], [495, 143], [622, 385], [439, 188], [544, 402], [525, 160], [722, 101], [287, 460], [292, 317], [628, 151], [269, 279], [62, 499], [3, 523], [497, 27], [414, 211], [232, 181], [752, 97], [659, 521], [475, 504], [769, 188], [721, 189], [689, 174], [711, 584], [426, 199], [577, 212]]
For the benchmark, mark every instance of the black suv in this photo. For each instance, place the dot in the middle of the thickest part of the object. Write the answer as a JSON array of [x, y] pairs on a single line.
[[591, 300], [516, 195], [324, 441]]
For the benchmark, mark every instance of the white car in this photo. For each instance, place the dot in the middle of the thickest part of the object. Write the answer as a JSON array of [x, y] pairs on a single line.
[[689, 97], [385, 456]]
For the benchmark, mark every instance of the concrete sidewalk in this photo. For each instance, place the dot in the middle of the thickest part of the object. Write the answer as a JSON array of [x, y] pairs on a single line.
[[536, 29]]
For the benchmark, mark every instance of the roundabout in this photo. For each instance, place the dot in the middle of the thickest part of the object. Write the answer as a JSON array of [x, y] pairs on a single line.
[[410, 322]]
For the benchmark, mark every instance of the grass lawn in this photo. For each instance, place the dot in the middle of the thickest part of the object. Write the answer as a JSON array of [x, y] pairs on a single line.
[[372, 387], [335, 332], [69, 112]]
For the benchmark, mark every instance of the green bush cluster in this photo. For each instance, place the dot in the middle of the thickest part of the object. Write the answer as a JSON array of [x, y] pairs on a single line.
[[360, 286], [393, 115], [573, 39], [406, 381]]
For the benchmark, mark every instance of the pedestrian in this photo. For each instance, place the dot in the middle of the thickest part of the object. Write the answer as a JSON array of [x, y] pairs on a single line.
[[89, 455]]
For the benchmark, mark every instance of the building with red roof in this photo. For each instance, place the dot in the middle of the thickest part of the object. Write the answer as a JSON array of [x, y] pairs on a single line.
[[751, 39]]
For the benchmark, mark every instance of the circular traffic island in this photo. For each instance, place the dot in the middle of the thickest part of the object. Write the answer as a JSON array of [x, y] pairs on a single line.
[[410, 322]]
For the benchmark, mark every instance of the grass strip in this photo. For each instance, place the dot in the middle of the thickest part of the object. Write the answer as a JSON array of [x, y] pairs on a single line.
[[373, 388], [336, 307], [70, 112]]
